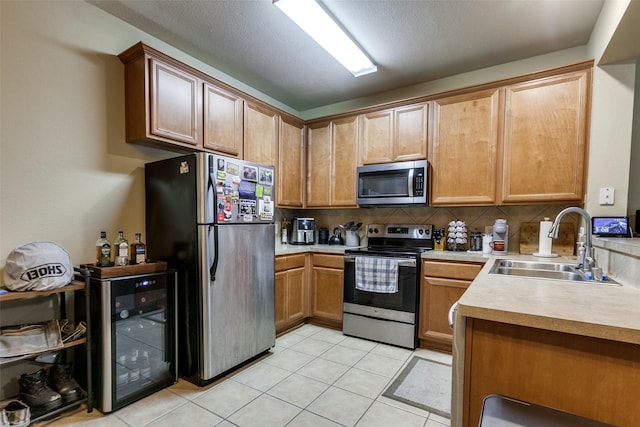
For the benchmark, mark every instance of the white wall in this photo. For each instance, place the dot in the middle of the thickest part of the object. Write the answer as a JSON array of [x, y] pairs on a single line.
[[66, 172], [611, 117]]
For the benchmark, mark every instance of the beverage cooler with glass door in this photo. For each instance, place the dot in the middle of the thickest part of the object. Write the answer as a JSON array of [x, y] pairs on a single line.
[[134, 330]]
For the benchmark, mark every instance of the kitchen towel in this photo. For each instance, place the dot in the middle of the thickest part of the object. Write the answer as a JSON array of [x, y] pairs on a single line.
[[544, 241], [377, 274]]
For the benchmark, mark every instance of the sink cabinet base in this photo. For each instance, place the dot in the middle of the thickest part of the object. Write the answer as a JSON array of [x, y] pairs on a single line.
[[591, 377]]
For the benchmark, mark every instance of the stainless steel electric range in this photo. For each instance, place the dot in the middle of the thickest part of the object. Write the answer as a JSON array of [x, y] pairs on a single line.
[[382, 284]]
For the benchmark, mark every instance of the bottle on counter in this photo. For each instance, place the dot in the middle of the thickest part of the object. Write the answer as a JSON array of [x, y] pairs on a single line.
[[121, 250], [138, 251], [283, 229], [103, 250]]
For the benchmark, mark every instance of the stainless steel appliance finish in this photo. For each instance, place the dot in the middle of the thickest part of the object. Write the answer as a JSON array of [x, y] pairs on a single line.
[[211, 218], [303, 231], [390, 318], [135, 325], [400, 183]]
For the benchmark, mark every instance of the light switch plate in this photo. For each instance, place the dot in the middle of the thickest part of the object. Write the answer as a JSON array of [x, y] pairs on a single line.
[[607, 195]]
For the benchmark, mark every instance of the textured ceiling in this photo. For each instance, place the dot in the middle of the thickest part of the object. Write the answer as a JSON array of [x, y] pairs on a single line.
[[411, 41]]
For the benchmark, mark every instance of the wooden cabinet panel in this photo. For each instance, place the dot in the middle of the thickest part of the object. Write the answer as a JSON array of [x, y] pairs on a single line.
[[589, 377], [545, 134], [327, 287], [442, 284], [451, 270], [376, 139], [327, 293], [280, 289], [332, 163], [260, 134], [398, 134], [223, 121], [436, 298], [174, 104], [319, 165], [464, 149], [344, 162], [291, 290], [411, 132], [291, 160], [297, 295]]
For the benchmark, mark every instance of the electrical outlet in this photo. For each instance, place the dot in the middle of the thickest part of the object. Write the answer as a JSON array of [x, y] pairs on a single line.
[[607, 195]]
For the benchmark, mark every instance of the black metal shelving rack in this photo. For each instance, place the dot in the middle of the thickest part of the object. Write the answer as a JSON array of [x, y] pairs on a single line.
[[80, 284]]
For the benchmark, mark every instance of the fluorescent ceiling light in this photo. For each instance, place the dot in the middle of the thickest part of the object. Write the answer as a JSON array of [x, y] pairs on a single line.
[[320, 26]]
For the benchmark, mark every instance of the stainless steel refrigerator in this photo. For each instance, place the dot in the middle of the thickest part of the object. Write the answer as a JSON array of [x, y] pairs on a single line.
[[211, 218]]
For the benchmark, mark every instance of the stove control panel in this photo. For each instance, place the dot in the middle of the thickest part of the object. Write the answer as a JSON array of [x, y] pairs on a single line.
[[400, 231]]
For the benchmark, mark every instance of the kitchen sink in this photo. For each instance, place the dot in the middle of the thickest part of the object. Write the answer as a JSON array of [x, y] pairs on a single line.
[[543, 270]]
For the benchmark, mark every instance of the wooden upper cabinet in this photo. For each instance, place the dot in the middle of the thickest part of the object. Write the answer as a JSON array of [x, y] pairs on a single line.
[[260, 134], [332, 163], [163, 101], [175, 104], [392, 135], [464, 149], [223, 121], [344, 154], [291, 160], [319, 165], [545, 138]]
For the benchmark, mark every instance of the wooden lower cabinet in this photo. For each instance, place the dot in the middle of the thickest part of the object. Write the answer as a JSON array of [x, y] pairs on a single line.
[[291, 291], [590, 377], [443, 283], [327, 275]]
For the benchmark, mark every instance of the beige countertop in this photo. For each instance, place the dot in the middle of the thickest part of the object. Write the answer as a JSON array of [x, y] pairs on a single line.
[[289, 249], [589, 309]]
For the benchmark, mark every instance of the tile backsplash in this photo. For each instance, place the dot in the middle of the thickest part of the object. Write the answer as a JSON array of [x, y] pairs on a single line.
[[476, 217]]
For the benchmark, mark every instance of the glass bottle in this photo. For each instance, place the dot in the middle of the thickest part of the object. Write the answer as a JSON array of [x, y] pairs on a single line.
[[134, 367], [138, 251], [103, 250], [121, 250], [145, 366], [122, 373]]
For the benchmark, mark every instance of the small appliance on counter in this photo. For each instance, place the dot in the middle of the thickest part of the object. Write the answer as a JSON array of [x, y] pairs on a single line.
[[336, 238], [323, 236], [303, 231]]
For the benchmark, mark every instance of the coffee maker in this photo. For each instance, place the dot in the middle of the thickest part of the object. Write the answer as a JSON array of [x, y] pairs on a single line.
[[303, 231]]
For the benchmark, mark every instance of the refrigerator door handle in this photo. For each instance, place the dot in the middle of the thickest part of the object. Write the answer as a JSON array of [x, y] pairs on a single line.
[[213, 242]]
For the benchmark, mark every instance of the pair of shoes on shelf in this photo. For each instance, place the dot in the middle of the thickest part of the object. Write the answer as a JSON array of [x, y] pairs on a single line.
[[60, 388], [15, 414], [69, 333]]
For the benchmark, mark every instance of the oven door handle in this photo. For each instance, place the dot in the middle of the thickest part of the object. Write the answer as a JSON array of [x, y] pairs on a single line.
[[403, 263]]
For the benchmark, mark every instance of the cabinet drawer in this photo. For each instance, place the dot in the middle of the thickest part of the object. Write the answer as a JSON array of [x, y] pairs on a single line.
[[287, 262], [330, 261], [452, 270]]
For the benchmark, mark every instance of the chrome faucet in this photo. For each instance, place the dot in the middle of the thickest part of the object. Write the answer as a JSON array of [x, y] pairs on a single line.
[[586, 259]]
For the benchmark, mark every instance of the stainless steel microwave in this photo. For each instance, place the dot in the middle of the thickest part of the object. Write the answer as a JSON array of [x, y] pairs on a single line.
[[402, 183]]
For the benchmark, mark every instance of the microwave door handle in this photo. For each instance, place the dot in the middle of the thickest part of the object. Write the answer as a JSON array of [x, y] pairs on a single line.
[[410, 181]]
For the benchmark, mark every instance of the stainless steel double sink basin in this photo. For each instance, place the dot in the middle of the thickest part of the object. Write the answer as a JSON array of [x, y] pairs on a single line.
[[544, 270]]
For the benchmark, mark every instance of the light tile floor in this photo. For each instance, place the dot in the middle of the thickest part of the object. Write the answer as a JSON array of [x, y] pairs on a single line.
[[313, 377]]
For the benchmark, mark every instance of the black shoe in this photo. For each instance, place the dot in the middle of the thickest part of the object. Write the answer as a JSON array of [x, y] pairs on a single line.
[[35, 392], [63, 382], [17, 414]]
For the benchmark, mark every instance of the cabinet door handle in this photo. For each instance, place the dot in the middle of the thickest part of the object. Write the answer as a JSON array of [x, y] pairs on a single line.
[[450, 316]]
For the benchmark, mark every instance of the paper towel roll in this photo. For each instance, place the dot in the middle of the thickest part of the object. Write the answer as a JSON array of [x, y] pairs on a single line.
[[544, 243]]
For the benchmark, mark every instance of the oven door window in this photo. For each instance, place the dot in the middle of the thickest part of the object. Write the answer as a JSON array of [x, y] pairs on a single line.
[[403, 300], [393, 183]]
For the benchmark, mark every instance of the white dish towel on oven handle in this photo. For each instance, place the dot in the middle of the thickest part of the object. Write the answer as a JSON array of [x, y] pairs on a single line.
[[377, 274]]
